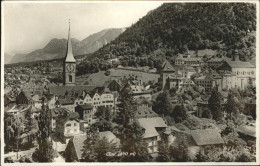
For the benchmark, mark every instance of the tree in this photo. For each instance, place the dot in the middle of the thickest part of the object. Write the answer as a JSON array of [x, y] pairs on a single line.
[[163, 105], [179, 113], [105, 117], [131, 134], [30, 128], [95, 149], [134, 144], [45, 151], [215, 106], [163, 152], [231, 106], [179, 152]]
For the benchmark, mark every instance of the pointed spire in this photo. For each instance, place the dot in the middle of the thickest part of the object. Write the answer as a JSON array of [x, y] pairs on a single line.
[[69, 54]]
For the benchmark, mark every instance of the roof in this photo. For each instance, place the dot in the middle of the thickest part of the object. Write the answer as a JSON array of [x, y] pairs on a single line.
[[36, 97], [27, 94], [216, 60], [206, 137], [35, 109], [240, 64], [149, 124], [86, 106], [55, 112], [224, 94], [109, 136], [247, 130], [166, 66], [61, 90], [169, 129], [69, 116], [65, 101], [78, 141], [145, 112], [69, 54]]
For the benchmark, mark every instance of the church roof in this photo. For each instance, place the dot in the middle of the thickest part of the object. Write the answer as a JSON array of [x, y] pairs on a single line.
[[69, 54]]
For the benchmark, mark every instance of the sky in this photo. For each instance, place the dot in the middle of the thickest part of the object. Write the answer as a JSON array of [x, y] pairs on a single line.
[[30, 26]]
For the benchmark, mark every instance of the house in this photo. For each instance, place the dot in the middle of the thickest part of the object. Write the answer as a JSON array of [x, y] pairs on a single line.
[[247, 132], [67, 126], [244, 72], [206, 137], [187, 60], [9, 100], [208, 83], [24, 97], [86, 112], [57, 113], [215, 62], [138, 92], [114, 85], [74, 149], [153, 127], [65, 103], [37, 101], [167, 72]]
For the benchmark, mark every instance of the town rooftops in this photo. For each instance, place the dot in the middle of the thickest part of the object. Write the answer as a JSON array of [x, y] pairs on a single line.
[[206, 137], [240, 64]]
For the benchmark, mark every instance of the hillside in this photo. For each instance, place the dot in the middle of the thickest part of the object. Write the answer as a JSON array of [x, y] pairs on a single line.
[[175, 27], [8, 58], [56, 48]]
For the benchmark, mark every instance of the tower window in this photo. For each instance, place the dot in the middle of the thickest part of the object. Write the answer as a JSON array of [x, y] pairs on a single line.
[[70, 78]]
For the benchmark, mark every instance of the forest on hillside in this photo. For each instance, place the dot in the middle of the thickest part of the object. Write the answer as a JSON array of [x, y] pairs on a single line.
[[174, 28]]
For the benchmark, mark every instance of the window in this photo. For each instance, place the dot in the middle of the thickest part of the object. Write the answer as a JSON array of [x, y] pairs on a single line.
[[68, 125], [68, 131], [75, 124], [75, 130], [70, 78]]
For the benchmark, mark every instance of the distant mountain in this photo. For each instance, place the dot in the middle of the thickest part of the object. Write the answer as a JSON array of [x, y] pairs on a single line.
[[56, 48], [8, 58]]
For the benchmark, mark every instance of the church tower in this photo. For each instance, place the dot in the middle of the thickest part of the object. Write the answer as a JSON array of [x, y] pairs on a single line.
[[69, 65]]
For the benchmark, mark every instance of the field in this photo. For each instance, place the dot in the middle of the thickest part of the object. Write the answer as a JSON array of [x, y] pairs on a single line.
[[98, 79]]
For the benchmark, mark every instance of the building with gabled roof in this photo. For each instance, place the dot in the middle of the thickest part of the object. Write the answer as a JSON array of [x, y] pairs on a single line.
[[74, 149], [86, 112], [153, 128], [68, 126]]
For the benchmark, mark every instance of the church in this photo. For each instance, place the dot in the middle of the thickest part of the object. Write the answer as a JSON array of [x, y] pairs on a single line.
[[69, 76]]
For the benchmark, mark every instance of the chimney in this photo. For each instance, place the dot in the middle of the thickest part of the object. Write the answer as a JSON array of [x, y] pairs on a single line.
[[235, 56]]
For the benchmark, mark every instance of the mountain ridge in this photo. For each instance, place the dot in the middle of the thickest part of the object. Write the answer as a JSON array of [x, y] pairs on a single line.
[[56, 48]]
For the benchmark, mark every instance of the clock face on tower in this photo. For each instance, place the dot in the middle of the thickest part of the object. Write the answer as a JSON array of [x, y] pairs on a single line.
[[70, 67]]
